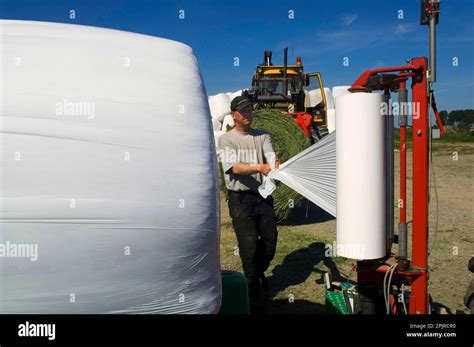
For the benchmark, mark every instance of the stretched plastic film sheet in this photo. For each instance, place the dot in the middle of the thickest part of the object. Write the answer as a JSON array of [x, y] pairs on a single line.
[[109, 198], [312, 173]]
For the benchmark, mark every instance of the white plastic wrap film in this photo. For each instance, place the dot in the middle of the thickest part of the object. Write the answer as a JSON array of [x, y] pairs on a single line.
[[312, 173], [108, 165], [361, 187]]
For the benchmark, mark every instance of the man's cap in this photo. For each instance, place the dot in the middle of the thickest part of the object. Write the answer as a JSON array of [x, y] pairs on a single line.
[[239, 103]]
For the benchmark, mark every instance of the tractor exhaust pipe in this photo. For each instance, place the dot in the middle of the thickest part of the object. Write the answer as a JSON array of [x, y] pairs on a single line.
[[267, 58]]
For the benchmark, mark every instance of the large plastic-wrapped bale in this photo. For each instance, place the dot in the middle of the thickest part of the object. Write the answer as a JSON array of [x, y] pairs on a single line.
[[329, 98], [109, 197], [331, 117], [235, 94], [314, 97], [217, 135], [219, 105], [339, 91], [216, 124], [228, 123], [232, 95]]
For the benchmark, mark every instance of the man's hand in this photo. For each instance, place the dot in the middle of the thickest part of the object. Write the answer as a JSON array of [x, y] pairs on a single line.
[[277, 164], [264, 168]]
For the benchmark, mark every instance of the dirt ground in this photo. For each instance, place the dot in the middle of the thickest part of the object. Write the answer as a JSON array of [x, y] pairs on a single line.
[[295, 274]]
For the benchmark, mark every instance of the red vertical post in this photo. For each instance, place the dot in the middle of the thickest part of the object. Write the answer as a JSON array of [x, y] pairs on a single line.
[[403, 167], [419, 294]]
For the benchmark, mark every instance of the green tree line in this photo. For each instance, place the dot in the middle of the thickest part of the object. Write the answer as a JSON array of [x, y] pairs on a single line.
[[462, 119]]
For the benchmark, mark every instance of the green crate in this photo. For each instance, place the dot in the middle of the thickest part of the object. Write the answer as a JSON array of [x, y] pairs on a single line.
[[335, 302]]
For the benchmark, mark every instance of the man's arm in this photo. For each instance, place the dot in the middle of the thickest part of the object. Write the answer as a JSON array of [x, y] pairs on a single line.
[[250, 169], [229, 162]]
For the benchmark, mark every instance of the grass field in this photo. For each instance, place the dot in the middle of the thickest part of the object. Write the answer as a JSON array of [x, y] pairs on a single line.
[[295, 274]]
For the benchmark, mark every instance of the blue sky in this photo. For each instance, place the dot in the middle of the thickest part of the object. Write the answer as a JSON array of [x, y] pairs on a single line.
[[368, 32]]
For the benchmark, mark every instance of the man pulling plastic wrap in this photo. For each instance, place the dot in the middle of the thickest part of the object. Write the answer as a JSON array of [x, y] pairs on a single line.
[[243, 153], [312, 173]]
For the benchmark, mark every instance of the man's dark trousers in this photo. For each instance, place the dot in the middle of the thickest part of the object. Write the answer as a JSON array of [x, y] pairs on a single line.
[[254, 223]]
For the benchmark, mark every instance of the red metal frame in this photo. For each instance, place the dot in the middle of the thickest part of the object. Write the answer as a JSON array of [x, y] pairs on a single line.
[[420, 138], [438, 118], [372, 272], [403, 166]]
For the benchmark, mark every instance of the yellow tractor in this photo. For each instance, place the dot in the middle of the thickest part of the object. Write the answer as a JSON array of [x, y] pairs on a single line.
[[287, 88]]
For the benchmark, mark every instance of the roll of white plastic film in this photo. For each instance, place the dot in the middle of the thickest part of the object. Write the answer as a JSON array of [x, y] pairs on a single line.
[[361, 181]]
